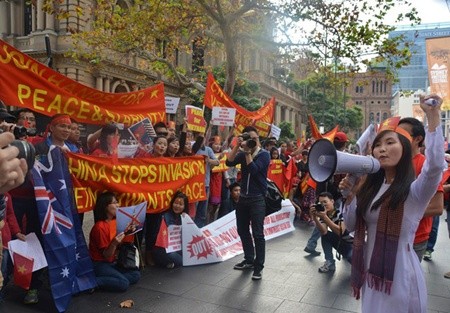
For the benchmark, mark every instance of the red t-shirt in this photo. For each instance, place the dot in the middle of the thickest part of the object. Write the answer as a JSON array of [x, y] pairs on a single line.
[[425, 224], [102, 233], [100, 153]]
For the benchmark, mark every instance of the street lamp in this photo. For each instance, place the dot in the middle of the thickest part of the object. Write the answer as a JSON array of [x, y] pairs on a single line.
[[321, 128]]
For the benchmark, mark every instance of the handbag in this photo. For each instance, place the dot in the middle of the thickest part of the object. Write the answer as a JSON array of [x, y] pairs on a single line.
[[273, 198], [128, 257]]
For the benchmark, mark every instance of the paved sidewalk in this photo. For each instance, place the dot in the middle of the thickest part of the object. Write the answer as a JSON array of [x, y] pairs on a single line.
[[291, 283]]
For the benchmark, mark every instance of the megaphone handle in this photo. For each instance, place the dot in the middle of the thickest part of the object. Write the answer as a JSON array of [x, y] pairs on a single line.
[[352, 180]]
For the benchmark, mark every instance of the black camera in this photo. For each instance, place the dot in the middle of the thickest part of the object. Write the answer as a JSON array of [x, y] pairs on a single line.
[[319, 207], [249, 141], [21, 131], [26, 151]]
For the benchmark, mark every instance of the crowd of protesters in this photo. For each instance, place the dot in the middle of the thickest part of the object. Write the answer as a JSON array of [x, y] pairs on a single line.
[[316, 205]]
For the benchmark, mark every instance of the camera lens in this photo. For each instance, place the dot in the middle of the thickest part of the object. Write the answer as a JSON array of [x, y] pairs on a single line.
[[251, 143], [26, 151], [19, 131]]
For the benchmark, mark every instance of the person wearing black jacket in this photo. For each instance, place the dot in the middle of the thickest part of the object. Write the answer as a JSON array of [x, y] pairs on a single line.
[[254, 163]]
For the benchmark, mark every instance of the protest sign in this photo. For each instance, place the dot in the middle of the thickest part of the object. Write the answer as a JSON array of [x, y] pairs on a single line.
[[194, 119], [132, 215], [223, 116], [172, 104]]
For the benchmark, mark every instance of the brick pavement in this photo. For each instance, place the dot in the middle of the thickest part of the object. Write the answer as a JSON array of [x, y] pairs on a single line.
[[291, 283]]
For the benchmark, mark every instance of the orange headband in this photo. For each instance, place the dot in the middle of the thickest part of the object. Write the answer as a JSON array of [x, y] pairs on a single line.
[[62, 119], [392, 125]]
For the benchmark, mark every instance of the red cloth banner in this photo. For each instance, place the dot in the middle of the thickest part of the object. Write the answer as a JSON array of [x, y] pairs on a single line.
[[29, 84], [260, 119], [154, 180]]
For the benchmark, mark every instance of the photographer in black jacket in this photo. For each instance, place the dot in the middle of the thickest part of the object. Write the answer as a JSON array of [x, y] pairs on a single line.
[[251, 207], [332, 229]]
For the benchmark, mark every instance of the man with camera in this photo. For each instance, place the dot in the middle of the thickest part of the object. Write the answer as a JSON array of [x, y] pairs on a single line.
[[332, 229], [251, 207]]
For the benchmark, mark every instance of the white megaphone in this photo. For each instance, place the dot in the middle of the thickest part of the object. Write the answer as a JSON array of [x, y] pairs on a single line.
[[324, 161]]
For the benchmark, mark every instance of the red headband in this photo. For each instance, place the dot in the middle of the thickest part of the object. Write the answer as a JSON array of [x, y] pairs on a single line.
[[62, 119]]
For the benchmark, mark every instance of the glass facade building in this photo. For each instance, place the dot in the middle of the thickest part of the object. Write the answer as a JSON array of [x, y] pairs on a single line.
[[415, 75]]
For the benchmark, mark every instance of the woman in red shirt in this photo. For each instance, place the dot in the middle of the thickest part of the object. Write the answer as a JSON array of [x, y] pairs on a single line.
[[103, 246]]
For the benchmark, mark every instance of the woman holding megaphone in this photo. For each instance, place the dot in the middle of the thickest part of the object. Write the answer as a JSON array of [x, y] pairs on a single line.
[[388, 205]]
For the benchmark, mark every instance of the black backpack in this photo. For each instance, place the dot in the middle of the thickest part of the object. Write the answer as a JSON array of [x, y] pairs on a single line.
[[273, 198]]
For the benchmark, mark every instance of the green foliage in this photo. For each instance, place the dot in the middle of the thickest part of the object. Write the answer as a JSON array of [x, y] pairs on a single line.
[[286, 130]]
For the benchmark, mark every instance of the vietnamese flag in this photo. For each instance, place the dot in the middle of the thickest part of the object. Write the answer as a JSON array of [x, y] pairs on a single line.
[[23, 269], [163, 236]]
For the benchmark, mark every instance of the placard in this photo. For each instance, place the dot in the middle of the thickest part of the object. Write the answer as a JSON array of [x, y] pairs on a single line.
[[223, 116]]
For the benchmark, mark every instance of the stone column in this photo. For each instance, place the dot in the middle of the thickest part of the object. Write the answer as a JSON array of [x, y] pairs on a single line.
[[107, 86], [99, 83], [49, 21], [13, 17], [40, 15], [33, 18], [4, 29]]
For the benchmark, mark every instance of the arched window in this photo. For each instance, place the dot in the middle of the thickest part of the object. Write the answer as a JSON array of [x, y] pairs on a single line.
[[371, 116], [385, 116]]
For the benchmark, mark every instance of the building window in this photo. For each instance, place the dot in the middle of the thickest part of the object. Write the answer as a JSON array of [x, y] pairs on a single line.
[[27, 19], [385, 116], [371, 115], [373, 86]]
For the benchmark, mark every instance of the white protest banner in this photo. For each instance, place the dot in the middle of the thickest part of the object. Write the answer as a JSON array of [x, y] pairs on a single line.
[[223, 116], [197, 247], [131, 215], [219, 241], [30, 248], [172, 104], [275, 131]]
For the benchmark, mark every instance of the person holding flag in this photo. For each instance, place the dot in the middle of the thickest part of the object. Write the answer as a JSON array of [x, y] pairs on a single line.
[[179, 205], [104, 244]]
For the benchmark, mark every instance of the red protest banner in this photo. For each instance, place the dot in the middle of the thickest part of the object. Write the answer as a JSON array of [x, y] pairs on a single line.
[[261, 119], [134, 181], [29, 84]]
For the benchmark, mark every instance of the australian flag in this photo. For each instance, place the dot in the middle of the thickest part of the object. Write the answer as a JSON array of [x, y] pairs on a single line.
[[69, 264]]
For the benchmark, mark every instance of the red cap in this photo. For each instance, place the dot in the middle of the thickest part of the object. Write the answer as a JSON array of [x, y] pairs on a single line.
[[340, 137]]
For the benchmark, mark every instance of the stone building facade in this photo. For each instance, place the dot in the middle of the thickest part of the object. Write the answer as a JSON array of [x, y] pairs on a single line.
[[372, 91], [25, 27]]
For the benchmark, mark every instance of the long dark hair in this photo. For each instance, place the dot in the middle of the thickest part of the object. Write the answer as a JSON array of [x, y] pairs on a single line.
[[103, 200], [399, 189], [107, 130], [182, 195]]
